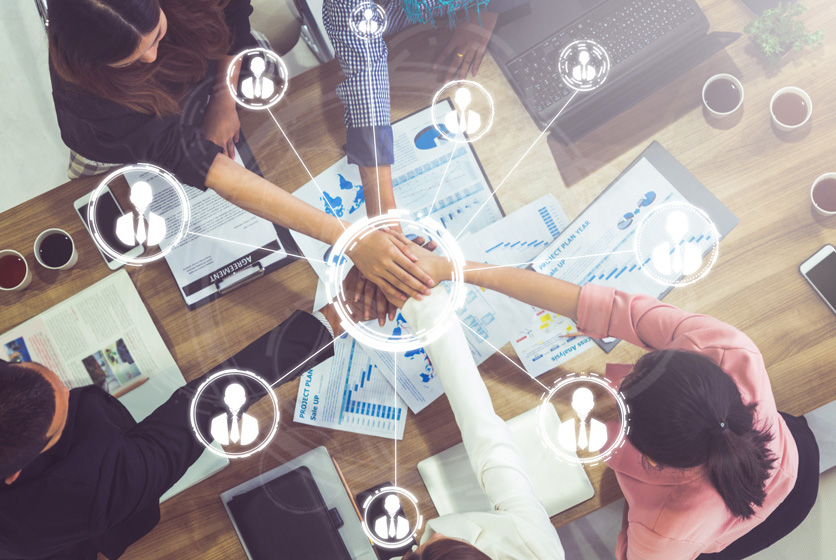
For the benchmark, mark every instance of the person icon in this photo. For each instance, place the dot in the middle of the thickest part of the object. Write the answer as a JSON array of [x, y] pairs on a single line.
[[464, 119], [367, 25], [393, 526], [229, 428], [258, 86], [676, 256], [148, 227], [583, 70], [591, 437]]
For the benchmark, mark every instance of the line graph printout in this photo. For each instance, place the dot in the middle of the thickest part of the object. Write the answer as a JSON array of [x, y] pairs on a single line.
[[349, 393], [515, 239], [519, 237], [605, 232]]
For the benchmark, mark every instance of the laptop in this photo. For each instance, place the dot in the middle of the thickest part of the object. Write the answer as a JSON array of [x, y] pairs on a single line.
[[649, 43]]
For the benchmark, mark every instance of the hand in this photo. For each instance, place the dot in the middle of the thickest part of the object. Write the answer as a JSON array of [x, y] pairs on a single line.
[[439, 268], [375, 303], [466, 47], [385, 258], [221, 124], [366, 300]]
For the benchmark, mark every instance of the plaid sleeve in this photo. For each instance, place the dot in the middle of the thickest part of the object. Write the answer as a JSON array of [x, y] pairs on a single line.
[[365, 91]]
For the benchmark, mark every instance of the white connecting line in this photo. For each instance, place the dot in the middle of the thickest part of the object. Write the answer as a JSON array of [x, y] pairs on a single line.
[[374, 132], [504, 356], [446, 168], [282, 251], [491, 266], [306, 360], [542, 132], [333, 212]]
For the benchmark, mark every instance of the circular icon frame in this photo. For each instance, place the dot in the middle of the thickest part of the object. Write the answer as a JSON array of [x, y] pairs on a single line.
[[336, 272], [274, 426], [707, 264], [566, 62], [138, 168], [464, 137], [276, 96], [557, 449], [362, 7], [388, 490]]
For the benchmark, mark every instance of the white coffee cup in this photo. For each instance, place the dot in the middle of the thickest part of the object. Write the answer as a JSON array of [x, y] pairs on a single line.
[[27, 277], [818, 208], [52, 231], [798, 91], [729, 78]]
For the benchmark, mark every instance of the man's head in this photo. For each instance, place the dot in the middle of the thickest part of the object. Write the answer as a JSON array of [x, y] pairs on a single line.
[[33, 412]]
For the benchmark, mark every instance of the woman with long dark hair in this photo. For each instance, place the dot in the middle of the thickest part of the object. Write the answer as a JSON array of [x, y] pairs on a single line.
[[710, 468], [145, 81]]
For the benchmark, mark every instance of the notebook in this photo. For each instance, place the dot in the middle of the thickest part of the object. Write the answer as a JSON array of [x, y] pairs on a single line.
[[454, 488], [287, 518], [314, 470]]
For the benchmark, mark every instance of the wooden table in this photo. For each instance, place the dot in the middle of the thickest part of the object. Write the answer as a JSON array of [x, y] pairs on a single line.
[[764, 177]]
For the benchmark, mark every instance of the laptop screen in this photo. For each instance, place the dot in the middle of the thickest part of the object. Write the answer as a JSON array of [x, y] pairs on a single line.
[[522, 27]]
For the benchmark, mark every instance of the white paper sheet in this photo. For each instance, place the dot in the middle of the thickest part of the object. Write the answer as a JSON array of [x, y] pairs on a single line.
[[347, 392], [576, 256], [223, 239]]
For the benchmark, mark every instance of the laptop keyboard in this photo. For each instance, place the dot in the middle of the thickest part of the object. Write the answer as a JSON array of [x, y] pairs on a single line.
[[623, 30]]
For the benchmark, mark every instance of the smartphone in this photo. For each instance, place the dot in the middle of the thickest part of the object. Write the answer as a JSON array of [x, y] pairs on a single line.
[[758, 7], [377, 511], [107, 212], [820, 272]]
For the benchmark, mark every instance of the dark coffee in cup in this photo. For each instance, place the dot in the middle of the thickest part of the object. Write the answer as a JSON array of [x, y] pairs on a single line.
[[824, 194], [722, 95], [790, 108], [56, 249], [12, 271]]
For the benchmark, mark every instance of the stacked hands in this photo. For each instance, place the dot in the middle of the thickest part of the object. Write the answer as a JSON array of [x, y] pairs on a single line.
[[389, 269]]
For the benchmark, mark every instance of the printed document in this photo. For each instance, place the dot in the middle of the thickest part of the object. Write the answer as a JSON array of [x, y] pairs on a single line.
[[222, 240], [597, 247], [348, 392]]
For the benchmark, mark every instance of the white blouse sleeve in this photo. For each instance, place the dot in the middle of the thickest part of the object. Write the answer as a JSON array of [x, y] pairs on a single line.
[[494, 456]]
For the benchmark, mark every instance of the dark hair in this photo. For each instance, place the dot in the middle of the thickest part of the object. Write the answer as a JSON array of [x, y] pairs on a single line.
[[448, 549], [685, 411], [27, 407], [87, 35]]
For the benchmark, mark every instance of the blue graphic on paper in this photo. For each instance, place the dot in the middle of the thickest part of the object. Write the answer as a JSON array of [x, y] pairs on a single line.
[[627, 219], [335, 206], [417, 354], [431, 137]]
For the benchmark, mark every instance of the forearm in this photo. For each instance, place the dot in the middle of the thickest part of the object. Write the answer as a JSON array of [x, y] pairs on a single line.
[[377, 189], [255, 194], [527, 286]]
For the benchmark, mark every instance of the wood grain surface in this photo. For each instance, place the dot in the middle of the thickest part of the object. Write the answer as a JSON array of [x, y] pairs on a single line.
[[762, 175]]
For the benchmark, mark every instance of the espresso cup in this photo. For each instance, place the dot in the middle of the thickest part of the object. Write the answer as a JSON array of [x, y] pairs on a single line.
[[800, 119], [55, 249], [823, 194], [15, 274], [723, 102]]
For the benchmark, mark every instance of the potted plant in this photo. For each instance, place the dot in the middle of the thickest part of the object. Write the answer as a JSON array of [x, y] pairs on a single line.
[[777, 31]]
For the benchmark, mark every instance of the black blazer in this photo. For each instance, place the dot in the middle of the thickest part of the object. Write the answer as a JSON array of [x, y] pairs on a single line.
[[98, 488]]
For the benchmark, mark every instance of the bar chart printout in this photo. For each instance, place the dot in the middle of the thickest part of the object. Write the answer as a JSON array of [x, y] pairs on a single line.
[[349, 393]]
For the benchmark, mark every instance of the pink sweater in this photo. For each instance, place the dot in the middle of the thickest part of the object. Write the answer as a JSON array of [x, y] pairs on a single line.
[[677, 514]]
